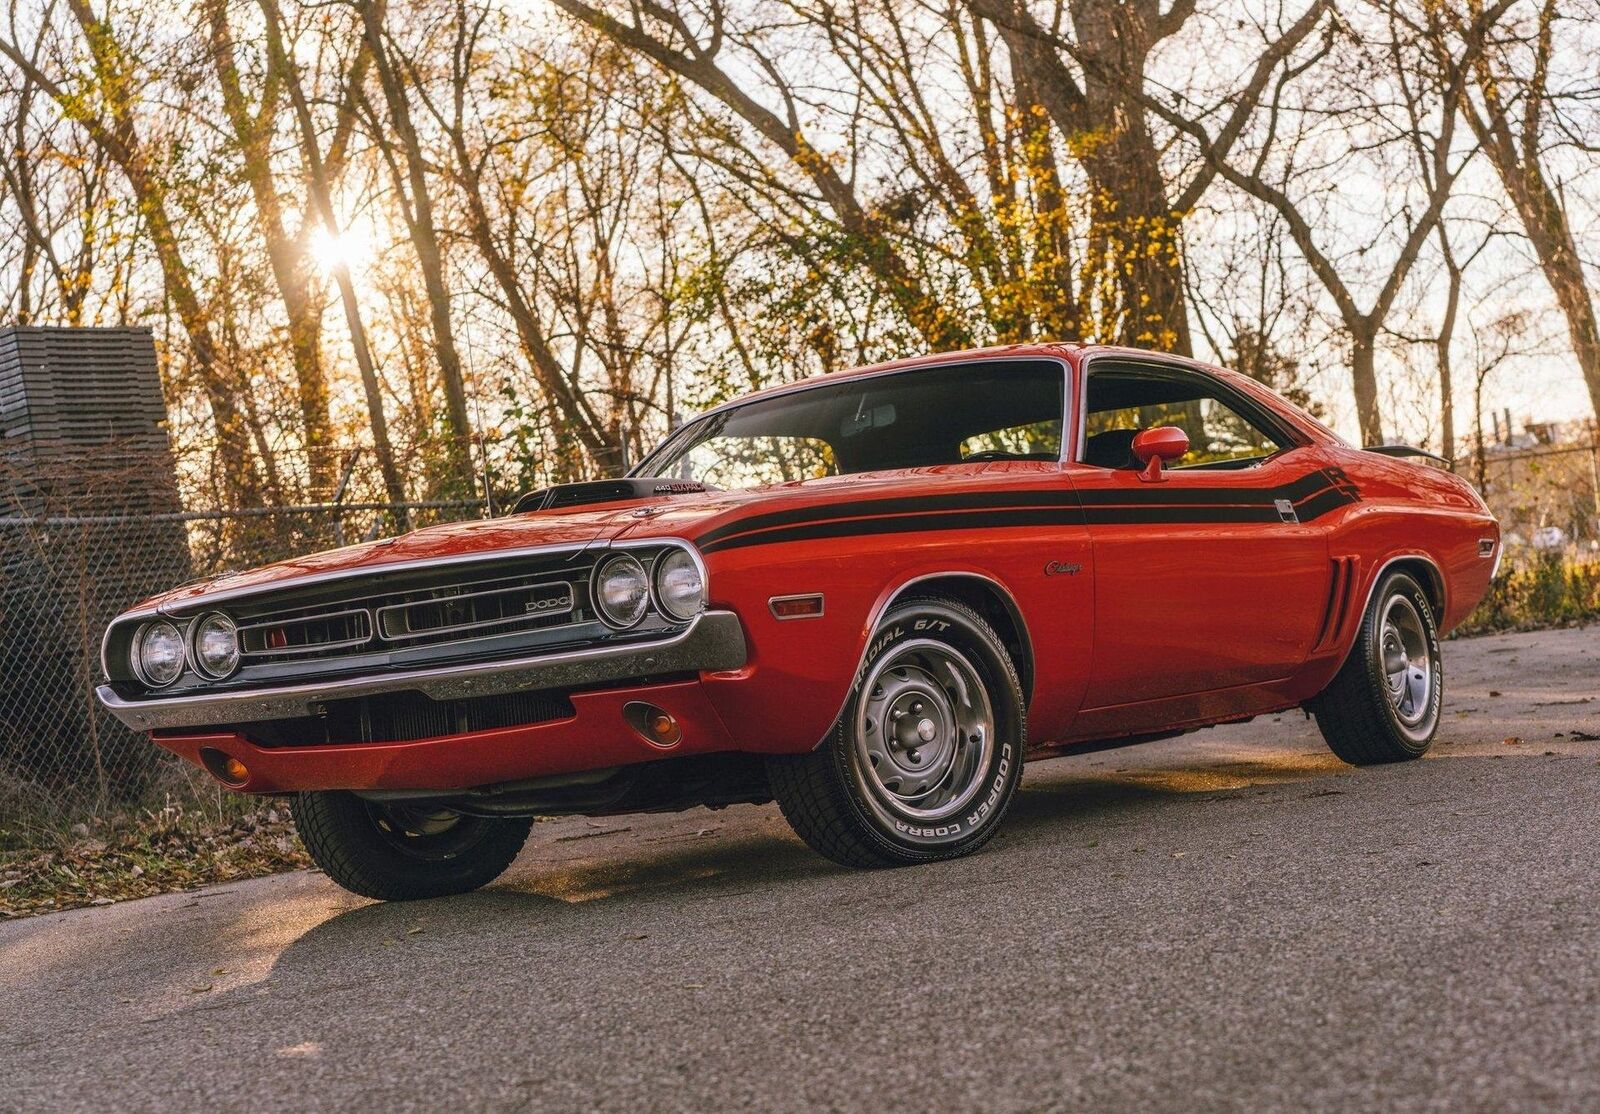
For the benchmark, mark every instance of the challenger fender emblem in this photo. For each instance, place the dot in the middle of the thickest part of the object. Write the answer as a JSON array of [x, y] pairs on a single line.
[[1062, 568]]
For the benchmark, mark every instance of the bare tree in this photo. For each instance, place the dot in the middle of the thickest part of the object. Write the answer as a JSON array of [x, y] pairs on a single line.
[[105, 110], [398, 140], [254, 130], [320, 186], [1510, 108], [1423, 130], [666, 37]]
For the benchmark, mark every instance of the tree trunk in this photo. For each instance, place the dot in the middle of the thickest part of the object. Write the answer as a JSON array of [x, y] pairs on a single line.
[[1447, 330], [121, 142], [1518, 160], [1364, 378], [1130, 218], [285, 253], [1544, 219], [322, 198], [425, 239]]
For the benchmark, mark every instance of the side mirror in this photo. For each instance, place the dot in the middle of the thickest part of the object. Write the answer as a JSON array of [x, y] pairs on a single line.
[[1155, 446]]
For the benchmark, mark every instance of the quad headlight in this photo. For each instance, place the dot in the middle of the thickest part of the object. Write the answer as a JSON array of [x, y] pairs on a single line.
[[158, 653], [621, 590], [680, 588], [216, 645]]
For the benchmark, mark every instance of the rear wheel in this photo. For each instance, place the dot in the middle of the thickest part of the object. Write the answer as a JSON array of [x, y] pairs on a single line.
[[397, 852], [928, 752], [1383, 706]]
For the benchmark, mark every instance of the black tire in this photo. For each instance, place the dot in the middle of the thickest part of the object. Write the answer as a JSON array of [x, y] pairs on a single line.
[[395, 853], [838, 798], [1364, 718]]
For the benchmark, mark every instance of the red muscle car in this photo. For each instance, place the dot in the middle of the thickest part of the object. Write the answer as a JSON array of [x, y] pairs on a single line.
[[870, 595]]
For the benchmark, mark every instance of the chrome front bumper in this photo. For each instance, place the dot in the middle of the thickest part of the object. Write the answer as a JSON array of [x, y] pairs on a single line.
[[713, 642]]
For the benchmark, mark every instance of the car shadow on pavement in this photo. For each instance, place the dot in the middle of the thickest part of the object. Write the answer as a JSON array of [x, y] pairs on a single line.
[[748, 848]]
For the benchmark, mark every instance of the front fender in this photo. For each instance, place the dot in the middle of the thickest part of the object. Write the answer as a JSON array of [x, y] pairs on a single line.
[[799, 672]]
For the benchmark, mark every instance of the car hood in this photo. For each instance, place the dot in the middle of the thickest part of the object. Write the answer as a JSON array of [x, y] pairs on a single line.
[[686, 516], [578, 529]]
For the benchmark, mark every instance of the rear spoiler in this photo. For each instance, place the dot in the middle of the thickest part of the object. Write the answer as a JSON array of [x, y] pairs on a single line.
[[1406, 450]]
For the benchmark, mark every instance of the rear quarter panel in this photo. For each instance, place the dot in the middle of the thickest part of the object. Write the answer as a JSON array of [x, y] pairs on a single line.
[[1406, 511]]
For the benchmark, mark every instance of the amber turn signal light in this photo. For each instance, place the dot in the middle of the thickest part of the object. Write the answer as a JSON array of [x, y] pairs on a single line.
[[655, 726], [796, 607], [225, 767]]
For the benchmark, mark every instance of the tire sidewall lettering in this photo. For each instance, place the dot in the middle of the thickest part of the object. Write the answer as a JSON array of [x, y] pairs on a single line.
[[1003, 765], [1411, 591]]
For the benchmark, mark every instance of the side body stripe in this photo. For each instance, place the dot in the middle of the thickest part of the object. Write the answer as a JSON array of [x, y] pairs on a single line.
[[1313, 495]]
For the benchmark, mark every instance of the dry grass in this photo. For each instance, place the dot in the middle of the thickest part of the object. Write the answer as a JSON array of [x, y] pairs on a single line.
[[113, 857], [1547, 591]]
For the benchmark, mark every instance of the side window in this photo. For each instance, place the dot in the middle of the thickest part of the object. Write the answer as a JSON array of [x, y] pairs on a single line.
[[1227, 435], [1221, 433]]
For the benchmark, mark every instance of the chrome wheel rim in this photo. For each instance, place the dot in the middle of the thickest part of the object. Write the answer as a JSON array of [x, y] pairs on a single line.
[[1406, 654], [924, 731]]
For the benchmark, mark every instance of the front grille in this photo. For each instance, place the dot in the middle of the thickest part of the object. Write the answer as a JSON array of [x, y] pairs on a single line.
[[479, 606], [434, 612], [319, 634], [404, 717]]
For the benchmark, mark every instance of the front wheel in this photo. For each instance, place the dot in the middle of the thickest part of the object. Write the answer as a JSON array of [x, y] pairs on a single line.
[[927, 753], [397, 852], [1383, 706]]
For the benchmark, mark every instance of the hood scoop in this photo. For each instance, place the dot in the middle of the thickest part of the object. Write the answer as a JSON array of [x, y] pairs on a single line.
[[591, 492]]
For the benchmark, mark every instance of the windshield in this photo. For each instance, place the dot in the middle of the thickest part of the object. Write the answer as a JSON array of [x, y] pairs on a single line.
[[997, 410]]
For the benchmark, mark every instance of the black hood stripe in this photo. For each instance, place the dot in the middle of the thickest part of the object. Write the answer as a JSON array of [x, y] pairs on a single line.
[[866, 508], [1312, 495]]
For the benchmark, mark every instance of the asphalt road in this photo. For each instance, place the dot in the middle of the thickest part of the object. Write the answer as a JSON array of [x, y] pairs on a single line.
[[1232, 920]]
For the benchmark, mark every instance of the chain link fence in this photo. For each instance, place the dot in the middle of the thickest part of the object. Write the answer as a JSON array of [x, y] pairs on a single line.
[[67, 568]]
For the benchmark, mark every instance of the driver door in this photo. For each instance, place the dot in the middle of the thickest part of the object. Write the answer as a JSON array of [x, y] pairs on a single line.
[[1207, 580]]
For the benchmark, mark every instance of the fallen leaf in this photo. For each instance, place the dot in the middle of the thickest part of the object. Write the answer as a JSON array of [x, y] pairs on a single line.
[[1496, 692], [1512, 740], [412, 931], [591, 835], [201, 989]]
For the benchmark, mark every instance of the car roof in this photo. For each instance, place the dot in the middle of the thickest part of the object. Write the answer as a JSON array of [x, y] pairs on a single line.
[[1058, 350], [1073, 352]]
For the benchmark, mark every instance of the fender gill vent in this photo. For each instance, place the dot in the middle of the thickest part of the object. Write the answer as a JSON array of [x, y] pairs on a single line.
[[1333, 615]]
